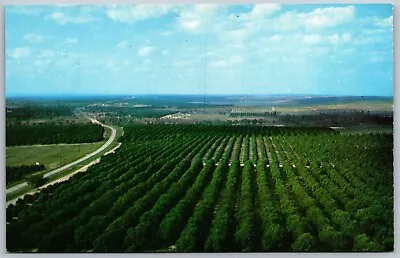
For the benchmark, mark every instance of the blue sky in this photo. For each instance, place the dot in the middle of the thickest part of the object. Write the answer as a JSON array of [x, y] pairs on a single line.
[[199, 49]]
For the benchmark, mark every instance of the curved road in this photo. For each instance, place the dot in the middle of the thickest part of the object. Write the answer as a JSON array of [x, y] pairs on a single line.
[[58, 170]]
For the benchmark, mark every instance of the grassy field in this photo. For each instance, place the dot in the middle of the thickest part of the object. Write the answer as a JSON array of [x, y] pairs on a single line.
[[52, 156], [373, 106]]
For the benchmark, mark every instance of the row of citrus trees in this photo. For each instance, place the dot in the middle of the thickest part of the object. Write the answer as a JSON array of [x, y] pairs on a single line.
[[201, 188]]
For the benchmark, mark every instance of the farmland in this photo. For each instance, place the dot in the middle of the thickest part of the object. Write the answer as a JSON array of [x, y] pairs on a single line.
[[196, 188], [321, 111]]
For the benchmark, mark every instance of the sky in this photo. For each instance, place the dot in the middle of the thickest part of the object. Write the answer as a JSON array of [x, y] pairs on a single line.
[[199, 49]]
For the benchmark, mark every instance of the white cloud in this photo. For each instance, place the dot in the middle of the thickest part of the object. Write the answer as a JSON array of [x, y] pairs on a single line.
[[165, 52], [387, 22], [144, 51], [321, 51], [312, 39], [242, 29], [206, 8], [63, 19], [334, 39], [319, 18], [275, 38], [374, 31], [191, 24], [122, 45], [236, 35], [226, 63], [139, 12], [201, 17], [190, 20], [33, 38], [71, 40], [328, 17], [32, 10], [380, 39], [261, 10], [46, 54], [21, 52], [346, 37]]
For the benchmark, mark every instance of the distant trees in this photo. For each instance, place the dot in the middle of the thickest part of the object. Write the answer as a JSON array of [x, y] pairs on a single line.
[[37, 111], [115, 113], [337, 118], [51, 133]]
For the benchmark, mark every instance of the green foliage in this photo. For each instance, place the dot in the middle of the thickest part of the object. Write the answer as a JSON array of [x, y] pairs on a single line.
[[304, 243], [245, 230], [223, 223], [16, 173], [36, 180], [182, 188], [363, 243], [50, 133], [36, 111]]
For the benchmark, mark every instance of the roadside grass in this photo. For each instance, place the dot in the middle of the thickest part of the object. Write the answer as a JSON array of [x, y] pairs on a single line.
[[82, 164], [119, 131], [19, 192], [52, 156]]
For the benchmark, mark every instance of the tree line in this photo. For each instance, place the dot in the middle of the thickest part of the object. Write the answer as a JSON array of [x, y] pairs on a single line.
[[51, 133]]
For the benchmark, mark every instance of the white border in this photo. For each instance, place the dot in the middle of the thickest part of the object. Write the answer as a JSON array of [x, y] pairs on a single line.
[[396, 99]]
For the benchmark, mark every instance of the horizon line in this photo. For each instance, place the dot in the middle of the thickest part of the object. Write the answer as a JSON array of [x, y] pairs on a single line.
[[61, 95]]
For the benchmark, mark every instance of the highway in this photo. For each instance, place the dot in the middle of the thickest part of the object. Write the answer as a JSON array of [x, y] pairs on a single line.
[[67, 166]]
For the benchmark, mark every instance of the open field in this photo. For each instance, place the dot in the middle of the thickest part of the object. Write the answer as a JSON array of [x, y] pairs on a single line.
[[195, 188], [264, 110], [52, 156]]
